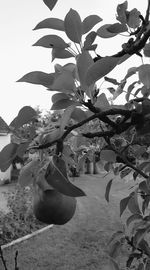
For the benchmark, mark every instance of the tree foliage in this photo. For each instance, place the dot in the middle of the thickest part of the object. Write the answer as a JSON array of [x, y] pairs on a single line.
[[86, 125]]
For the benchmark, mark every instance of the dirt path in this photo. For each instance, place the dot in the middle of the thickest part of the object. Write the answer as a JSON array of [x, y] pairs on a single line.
[[81, 243]]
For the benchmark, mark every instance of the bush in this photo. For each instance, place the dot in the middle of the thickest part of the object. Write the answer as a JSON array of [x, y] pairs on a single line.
[[20, 219]]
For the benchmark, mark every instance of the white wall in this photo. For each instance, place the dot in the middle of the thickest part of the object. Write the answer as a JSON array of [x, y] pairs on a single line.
[[4, 140]]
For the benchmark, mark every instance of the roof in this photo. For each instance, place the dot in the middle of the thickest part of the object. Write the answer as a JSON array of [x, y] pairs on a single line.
[[3, 126]]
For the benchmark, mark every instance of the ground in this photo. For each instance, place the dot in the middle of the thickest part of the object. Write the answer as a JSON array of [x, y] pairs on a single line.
[[82, 242]]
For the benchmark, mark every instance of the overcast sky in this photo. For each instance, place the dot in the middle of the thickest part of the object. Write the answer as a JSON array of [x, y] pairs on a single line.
[[18, 57]]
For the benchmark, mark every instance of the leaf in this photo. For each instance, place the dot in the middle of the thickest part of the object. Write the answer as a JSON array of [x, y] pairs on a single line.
[[84, 61], [133, 218], [66, 117], [28, 172], [50, 3], [60, 53], [133, 19], [104, 33], [133, 205], [38, 77], [100, 68], [108, 187], [62, 104], [56, 176], [140, 234], [114, 250], [144, 74], [53, 135], [117, 236], [108, 155], [119, 90], [73, 26], [131, 71], [89, 22], [22, 147], [51, 23], [78, 115], [7, 154], [117, 28], [144, 187], [64, 82], [89, 40], [102, 102], [121, 12], [129, 90], [123, 204], [146, 50], [111, 80], [51, 41], [25, 116], [59, 96]]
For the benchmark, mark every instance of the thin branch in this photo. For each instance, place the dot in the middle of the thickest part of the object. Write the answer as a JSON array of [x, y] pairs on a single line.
[[129, 164], [16, 260], [147, 13], [99, 134], [100, 115], [2, 258]]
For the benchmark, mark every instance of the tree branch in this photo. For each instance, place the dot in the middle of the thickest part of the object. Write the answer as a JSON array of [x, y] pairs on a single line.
[[129, 164], [100, 115], [2, 258]]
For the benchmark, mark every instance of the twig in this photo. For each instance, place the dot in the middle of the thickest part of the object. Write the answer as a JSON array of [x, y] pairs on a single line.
[[16, 260], [100, 115], [2, 258], [129, 164]]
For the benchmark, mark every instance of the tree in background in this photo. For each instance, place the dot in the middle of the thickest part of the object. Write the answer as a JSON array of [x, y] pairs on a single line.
[[84, 121]]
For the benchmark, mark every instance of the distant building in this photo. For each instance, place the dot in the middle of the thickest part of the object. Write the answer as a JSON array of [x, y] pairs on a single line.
[[5, 138]]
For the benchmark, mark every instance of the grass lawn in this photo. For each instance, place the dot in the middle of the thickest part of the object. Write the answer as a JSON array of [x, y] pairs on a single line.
[[81, 243]]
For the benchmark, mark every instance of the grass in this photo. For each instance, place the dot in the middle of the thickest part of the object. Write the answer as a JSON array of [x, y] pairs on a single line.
[[82, 242]]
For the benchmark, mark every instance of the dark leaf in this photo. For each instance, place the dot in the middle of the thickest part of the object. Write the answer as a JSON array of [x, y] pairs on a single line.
[[123, 204], [133, 18], [140, 234], [117, 28], [50, 3], [121, 12], [89, 22], [133, 218], [89, 40], [7, 154], [51, 23], [111, 80], [108, 187], [25, 116], [133, 205], [51, 41], [129, 90], [104, 33], [73, 26], [61, 54], [56, 176], [78, 115], [38, 77], [62, 104], [22, 149], [59, 96], [100, 68]]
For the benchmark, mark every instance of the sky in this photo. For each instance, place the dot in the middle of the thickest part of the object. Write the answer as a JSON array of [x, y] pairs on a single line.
[[18, 56]]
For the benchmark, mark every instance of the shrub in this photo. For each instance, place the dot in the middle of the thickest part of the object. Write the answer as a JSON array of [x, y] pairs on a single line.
[[19, 220]]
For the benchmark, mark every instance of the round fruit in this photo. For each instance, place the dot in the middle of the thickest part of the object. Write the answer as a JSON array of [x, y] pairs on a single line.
[[52, 207]]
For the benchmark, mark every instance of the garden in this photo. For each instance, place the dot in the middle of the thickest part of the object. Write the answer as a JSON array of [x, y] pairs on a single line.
[[85, 165]]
